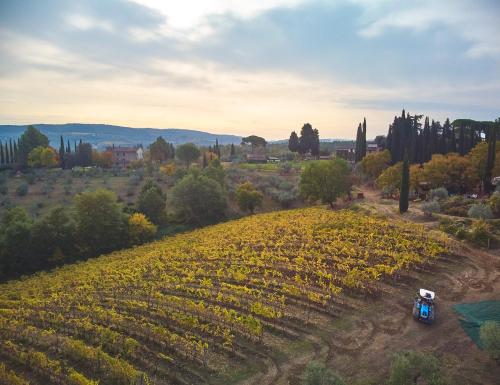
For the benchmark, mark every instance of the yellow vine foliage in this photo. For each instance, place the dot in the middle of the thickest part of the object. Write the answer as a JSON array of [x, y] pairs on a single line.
[[192, 297]]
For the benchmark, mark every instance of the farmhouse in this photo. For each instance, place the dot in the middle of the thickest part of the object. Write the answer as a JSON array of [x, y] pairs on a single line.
[[123, 156]]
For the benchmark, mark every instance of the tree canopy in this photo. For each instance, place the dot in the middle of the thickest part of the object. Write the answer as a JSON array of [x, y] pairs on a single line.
[[325, 180], [188, 153], [248, 197], [30, 139]]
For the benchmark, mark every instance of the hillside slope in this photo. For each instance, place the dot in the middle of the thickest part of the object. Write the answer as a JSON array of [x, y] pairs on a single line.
[[217, 305], [102, 135]]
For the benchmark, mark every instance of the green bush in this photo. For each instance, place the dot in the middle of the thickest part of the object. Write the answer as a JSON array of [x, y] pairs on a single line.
[[494, 203], [438, 193], [480, 211], [490, 338], [22, 189], [412, 367], [430, 207], [480, 233], [319, 374]]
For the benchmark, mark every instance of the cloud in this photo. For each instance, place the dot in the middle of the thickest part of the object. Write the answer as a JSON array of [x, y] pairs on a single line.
[[476, 22], [83, 22]]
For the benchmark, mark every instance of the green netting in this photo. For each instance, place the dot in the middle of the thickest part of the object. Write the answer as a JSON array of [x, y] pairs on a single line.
[[473, 315]]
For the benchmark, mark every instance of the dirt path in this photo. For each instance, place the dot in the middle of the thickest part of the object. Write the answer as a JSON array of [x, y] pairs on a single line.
[[359, 344]]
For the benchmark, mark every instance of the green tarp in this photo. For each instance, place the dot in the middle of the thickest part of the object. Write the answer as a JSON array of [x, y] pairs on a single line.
[[473, 315]]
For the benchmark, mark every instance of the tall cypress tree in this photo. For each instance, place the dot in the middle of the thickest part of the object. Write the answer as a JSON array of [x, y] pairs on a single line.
[[357, 154], [405, 185], [61, 153], [461, 140], [233, 150], [68, 148], [15, 151], [490, 162], [426, 139], [2, 158], [6, 150], [363, 140], [11, 149], [293, 143]]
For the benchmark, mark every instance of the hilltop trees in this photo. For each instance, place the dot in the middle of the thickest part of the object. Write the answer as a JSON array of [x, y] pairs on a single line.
[[30, 139], [360, 151], [293, 142], [308, 142], [325, 181], [254, 141], [161, 151], [188, 153]]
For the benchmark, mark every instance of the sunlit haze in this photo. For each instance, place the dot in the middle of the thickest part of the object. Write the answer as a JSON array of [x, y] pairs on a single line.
[[248, 67]]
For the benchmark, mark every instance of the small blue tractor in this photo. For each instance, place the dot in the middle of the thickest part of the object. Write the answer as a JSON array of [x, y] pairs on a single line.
[[423, 307]]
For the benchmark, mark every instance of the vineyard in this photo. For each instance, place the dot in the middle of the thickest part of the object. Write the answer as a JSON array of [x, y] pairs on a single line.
[[199, 307]]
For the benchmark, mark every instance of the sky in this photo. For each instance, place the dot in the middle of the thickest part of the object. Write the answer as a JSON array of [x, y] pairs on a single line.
[[261, 67]]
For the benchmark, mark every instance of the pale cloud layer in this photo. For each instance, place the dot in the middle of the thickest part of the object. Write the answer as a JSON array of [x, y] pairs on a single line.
[[262, 67]]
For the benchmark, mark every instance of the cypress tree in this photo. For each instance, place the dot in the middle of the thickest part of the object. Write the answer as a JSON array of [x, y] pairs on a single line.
[[396, 141], [6, 150], [61, 153], [11, 149], [426, 141], [490, 162], [388, 142], [461, 140], [363, 140], [357, 155], [15, 151], [68, 148], [2, 159], [434, 144], [233, 150], [405, 185], [293, 143], [205, 164]]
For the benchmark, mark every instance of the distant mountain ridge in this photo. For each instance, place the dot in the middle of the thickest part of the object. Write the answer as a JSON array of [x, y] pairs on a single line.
[[102, 135]]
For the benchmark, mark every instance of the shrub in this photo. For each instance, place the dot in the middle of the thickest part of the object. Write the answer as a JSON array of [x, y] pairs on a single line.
[[489, 334], [22, 189], [480, 233], [480, 211], [453, 227], [438, 193], [430, 207], [318, 374], [411, 367], [494, 203], [140, 230], [248, 197]]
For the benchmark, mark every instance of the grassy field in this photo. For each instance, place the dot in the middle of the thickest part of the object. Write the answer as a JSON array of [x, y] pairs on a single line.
[[224, 304]]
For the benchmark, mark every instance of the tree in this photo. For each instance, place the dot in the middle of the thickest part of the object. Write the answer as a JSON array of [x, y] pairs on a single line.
[[2, 156], [405, 185], [411, 367], [307, 140], [215, 171], [160, 150], [490, 160], [188, 153], [254, 141], [293, 142], [233, 151], [326, 180], [140, 230], [318, 374], [30, 139], [489, 335], [15, 242], [42, 157], [54, 237], [198, 200], [100, 222], [248, 197], [373, 164], [151, 202], [102, 159], [61, 153]]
